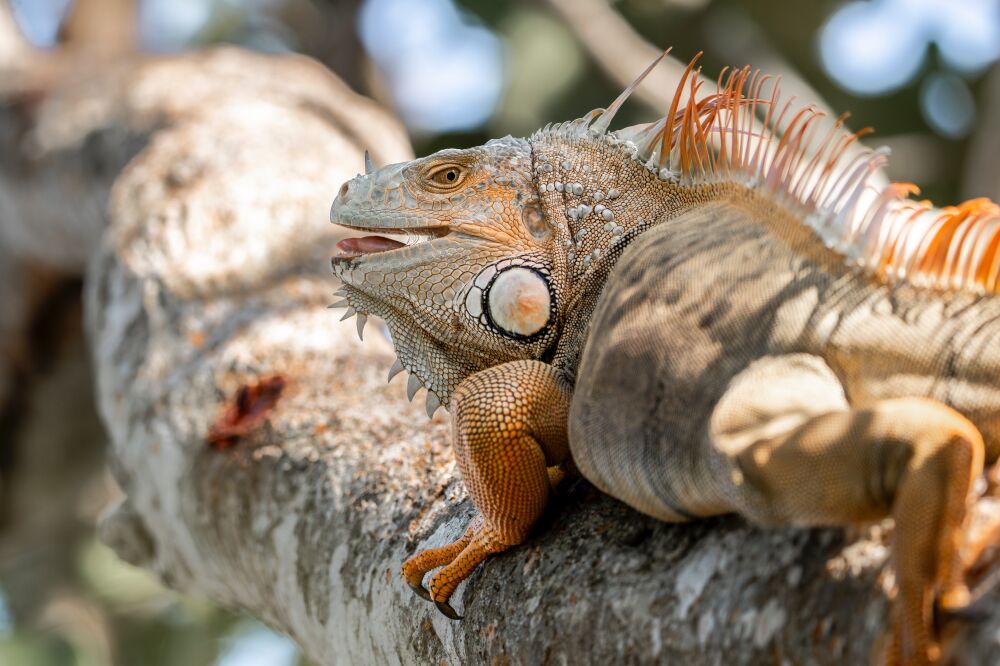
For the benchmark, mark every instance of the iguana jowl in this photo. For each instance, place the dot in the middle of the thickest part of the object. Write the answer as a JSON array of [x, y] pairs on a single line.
[[702, 317]]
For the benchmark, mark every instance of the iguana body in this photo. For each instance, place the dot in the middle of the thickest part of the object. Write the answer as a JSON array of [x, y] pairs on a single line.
[[700, 317]]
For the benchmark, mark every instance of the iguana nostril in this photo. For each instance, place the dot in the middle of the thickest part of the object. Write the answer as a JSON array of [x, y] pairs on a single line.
[[343, 190]]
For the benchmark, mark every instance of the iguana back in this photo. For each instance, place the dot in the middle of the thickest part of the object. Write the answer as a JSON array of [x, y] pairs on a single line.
[[704, 296]]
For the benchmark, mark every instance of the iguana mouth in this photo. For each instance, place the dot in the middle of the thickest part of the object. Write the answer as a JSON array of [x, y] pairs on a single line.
[[352, 248]]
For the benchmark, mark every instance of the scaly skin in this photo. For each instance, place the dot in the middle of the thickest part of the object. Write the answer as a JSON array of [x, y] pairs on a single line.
[[570, 300]]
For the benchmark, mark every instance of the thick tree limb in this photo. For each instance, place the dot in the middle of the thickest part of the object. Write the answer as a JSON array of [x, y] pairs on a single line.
[[212, 277]]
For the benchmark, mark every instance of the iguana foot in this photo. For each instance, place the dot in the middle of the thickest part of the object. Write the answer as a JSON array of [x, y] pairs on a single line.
[[416, 567], [509, 433], [442, 584], [456, 560]]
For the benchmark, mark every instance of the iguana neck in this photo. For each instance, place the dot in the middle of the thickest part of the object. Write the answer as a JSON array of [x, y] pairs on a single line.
[[597, 198]]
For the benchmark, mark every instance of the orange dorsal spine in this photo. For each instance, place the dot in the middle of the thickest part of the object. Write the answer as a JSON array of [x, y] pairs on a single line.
[[719, 136]]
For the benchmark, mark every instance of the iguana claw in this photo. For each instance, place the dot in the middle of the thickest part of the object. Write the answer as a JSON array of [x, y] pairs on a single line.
[[977, 610], [973, 614], [420, 591], [978, 559], [447, 610]]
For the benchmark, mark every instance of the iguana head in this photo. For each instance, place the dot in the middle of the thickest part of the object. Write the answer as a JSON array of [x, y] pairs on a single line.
[[461, 265]]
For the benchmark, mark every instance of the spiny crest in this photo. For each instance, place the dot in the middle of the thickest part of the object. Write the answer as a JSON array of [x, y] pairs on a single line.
[[413, 384], [737, 133]]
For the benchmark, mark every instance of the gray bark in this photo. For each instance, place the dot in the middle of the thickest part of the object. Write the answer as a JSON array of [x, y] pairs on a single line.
[[211, 275]]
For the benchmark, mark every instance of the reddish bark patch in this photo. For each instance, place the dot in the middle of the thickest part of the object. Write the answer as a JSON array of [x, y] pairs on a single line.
[[248, 409]]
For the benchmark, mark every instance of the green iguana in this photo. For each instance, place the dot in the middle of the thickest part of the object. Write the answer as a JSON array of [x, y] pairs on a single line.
[[702, 316]]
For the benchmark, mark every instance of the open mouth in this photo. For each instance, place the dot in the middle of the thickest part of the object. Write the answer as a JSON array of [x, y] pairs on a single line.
[[352, 248]]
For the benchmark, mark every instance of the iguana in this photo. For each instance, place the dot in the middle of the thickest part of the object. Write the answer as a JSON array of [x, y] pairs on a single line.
[[711, 313]]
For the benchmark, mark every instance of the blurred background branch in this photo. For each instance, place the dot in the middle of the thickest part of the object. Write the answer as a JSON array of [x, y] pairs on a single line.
[[13, 46], [982, 167], [621, 52], [103, 27]]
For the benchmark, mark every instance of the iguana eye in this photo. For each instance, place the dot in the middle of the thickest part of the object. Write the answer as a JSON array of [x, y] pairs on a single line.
[[447, 177]]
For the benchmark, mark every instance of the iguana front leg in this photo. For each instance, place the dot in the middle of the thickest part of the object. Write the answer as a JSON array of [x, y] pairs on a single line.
[[509, 428]]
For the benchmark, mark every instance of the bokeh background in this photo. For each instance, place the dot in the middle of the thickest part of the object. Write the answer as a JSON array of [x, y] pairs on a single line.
[[456, 72]]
